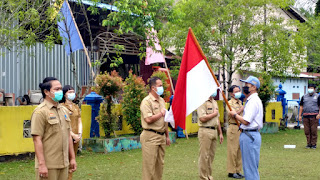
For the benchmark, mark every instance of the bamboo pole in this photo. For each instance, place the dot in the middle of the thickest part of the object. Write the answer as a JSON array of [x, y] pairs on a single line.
[[215, 78], [172, 88], [165, 63], [84, 47]]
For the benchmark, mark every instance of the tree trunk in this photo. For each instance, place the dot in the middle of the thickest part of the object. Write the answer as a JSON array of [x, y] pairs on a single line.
[[264, 38]]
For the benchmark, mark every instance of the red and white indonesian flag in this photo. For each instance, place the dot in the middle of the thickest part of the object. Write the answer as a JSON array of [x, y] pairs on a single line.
[[195, 82]]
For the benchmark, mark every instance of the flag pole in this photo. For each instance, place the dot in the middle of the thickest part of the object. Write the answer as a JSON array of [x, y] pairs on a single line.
[[172, 88], [165, 63], [215, 78], [84, 47]]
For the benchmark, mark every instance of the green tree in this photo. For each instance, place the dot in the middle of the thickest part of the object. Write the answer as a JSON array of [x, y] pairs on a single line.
[[239, 35], [25, 22], [317, 10], [312, 34], [267, 90], [109, 86], [133, 18], [133, 93], [139, 17]]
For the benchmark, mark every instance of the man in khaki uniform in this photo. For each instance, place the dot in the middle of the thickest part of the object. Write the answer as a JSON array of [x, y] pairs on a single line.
[[208, 121], [234, 164], [155, 133], [50, 129]]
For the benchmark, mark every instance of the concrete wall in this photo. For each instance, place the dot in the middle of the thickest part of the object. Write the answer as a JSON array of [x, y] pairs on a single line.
[[12, 140], [293, 85], [274, 112], [15, 131]]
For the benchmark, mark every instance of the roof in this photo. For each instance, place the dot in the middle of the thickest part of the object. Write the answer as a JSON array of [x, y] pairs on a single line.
[[302, 75], [311, 74], [100, 5], [294, 13]]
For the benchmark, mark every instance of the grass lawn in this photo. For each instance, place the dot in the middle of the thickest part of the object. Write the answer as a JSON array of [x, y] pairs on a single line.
[[276, 163]]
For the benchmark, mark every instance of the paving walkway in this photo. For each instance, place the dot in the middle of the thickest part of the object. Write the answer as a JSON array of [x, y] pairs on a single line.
[[292, 125]]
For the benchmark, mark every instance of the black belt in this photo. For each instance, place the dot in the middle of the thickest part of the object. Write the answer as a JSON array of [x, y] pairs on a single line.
[[208, 127], [245, 131], [161, 133], [249, 130], [234, 123]]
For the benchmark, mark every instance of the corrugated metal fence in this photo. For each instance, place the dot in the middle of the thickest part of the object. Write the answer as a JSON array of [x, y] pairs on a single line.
[[23, 69]]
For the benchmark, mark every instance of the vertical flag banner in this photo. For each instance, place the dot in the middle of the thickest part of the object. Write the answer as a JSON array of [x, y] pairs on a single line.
[[152, 56], [68, 30], [195, 82]]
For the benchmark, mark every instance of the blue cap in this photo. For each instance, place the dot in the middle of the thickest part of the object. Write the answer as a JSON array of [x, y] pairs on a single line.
[[252, 80]]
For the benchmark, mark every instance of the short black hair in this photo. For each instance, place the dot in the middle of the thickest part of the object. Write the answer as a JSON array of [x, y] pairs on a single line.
[[232, 88], [65, 89], [26, 98], [153, 81], [46, 84], [312, 85]]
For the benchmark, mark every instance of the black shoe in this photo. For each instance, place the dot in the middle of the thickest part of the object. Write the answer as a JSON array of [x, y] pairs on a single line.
[[235, 175], [314, 147], [308, 146], [242, 176]]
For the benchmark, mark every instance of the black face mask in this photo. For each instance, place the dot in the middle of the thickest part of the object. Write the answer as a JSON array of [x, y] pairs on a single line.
[[246, 89]]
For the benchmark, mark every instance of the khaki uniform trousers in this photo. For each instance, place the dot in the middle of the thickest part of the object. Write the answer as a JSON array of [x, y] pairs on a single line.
[[153, 151], [207, 140], [75, 149], [54, 174], [234, 163]]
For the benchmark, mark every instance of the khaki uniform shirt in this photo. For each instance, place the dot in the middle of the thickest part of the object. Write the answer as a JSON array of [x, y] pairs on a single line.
[[149, 107], [236, 105], [53, 125], [74, 114], [205, 109]]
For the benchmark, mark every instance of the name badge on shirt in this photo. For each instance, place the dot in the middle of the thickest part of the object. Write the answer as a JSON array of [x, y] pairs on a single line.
[[52, 116]]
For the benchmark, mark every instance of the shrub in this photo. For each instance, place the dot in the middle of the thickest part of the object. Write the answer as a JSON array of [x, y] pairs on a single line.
[[164, 78], [266, 91], [133, 93], [108, 85], [107, 120]]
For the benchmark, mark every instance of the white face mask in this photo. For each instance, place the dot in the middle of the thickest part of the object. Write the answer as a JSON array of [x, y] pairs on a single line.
[[71, 96], [237, 95], [310, 91], [160, 90]]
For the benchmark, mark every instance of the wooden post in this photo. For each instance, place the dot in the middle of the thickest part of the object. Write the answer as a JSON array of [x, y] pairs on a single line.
[[186, 133], [84, 47], [215, 78], [165, 63]]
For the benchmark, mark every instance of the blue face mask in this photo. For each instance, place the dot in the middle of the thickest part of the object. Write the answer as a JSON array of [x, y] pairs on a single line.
[[160, 90], [214, 94], [71, 96], [237, 95], [57, 96]]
